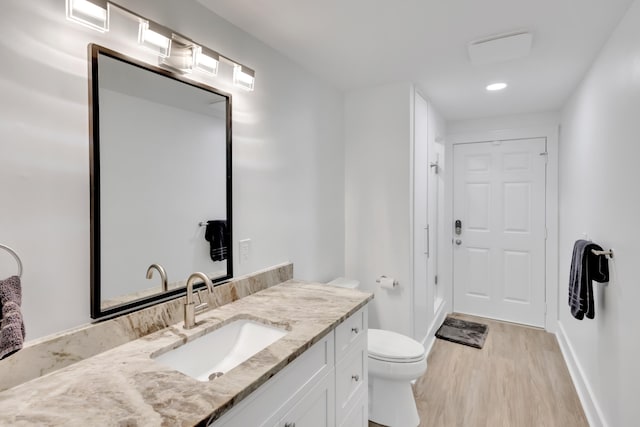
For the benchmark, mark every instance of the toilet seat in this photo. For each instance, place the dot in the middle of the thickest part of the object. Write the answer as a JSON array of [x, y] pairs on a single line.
[[388, 346]]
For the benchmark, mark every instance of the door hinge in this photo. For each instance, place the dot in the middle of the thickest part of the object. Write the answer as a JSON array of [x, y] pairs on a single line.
[[436, 279]]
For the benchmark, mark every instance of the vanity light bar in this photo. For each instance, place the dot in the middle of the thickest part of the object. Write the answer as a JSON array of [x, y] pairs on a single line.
[[90, 13], [155, 37], [243, 77], [181, 56], [206, 60], [94, 14]]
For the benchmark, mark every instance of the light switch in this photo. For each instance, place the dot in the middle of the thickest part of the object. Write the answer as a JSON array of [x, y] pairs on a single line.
[[245, 250]]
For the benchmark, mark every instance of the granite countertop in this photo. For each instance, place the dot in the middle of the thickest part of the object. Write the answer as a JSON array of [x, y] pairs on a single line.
[[126, 387]]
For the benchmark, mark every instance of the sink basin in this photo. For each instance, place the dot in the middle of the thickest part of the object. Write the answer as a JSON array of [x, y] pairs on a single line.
[[213, 354]]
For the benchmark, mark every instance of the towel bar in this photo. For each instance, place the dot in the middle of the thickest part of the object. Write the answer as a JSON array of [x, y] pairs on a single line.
[[608, 253], [15, 255], [203, 223]]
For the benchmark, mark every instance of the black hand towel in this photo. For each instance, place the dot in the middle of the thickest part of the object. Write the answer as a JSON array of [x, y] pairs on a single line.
[[11, 324], [585, 267], [216, 235]]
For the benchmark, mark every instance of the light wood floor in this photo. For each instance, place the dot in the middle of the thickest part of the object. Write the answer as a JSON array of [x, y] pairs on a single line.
[[518, 379]]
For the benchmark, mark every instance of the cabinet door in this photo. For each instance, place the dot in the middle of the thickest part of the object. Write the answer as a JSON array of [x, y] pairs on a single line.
[[315, 409]]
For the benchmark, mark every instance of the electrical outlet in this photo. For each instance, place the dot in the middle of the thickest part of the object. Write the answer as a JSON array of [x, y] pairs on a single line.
[[245, 250]]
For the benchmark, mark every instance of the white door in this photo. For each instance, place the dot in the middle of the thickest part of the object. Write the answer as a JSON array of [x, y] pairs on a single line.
[[499, 248]]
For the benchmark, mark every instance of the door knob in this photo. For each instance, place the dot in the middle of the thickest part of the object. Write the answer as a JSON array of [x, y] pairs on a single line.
[[458, 242]]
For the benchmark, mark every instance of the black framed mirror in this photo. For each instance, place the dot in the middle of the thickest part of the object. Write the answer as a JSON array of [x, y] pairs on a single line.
[[160, 159]]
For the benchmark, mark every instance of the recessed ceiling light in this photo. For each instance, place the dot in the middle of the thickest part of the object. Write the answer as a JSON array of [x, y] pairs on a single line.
[[496, 86]]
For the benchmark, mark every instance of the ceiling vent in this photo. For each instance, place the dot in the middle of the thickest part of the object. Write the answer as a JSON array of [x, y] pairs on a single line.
[[500, 48]]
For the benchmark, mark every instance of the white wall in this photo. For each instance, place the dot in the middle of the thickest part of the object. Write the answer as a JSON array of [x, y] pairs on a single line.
[[288, 154], [599, 175], [377, 198], [515, 121]]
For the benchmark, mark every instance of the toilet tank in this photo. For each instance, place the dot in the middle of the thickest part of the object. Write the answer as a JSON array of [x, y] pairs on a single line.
[[345, 283]]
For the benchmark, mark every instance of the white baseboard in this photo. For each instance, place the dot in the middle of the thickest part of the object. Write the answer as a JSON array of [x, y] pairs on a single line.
[[585, 393], [430, 338]]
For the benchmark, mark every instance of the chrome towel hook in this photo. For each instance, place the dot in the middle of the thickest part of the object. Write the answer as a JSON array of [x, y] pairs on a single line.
[[15, 255]]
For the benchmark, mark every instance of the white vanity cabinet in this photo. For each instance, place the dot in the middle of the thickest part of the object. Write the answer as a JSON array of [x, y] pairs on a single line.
[[324, 387]]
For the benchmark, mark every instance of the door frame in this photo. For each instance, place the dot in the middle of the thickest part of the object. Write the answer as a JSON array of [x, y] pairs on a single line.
[[551, 207]]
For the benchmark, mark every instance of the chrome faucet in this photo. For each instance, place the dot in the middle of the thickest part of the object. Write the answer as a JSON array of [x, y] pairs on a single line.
[[163, 275], [190, 307]]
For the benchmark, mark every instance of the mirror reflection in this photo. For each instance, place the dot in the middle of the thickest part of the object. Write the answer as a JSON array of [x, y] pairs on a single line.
[[160, 183]]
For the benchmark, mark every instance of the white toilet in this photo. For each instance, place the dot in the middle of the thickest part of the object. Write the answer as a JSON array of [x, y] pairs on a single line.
[[395, 360]]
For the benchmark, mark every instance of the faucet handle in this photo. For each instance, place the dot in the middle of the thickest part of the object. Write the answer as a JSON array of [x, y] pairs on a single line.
[[203, 304], [201, 307]]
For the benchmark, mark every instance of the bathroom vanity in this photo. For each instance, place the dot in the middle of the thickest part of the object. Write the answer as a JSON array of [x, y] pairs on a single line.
[[314, 375], [328, 382]]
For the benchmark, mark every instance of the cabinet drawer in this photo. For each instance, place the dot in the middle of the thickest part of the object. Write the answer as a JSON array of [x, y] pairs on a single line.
[[357, 415], [351, 378], [349, 331]]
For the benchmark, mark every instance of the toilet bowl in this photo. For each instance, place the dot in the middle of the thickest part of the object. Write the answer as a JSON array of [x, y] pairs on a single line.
[[394, 361]]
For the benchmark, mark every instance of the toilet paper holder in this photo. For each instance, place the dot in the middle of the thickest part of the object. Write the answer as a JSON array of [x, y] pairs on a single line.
[[387, 282]]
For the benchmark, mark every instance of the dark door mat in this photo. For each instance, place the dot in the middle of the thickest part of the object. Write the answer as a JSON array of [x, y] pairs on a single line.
[[463, 332]]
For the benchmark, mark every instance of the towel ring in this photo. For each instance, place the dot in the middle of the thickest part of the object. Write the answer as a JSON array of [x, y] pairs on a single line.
[[15, 255]]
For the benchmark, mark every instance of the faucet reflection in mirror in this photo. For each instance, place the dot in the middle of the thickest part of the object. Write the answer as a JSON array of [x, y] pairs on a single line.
[[163, 275], [95, 14]]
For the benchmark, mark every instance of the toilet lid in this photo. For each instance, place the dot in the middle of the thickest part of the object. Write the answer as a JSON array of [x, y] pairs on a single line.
[[394, 347], [345, 283]]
